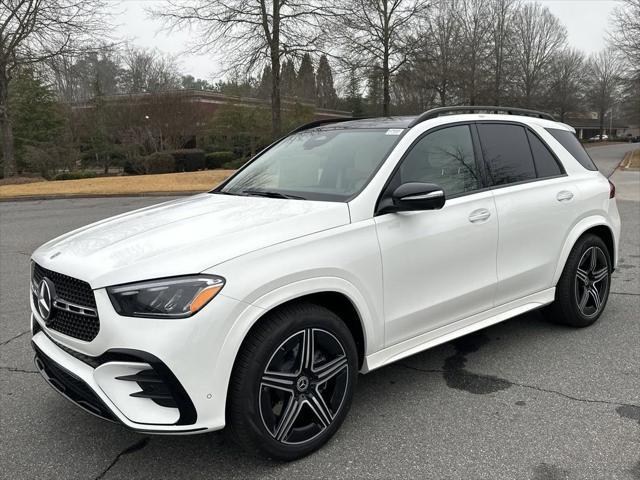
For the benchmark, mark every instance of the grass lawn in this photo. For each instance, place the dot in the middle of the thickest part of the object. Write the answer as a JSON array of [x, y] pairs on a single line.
[[132, 185]]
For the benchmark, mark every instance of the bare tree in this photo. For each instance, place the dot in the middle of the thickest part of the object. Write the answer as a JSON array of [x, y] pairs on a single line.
[[250, 34], [625, 33], [501, 12], [625, 38], [604, 72], [474, 22], [538, 35], [32, 31], [378, 32], [148, 71], [566, 82], [438, 57], [75, 77]]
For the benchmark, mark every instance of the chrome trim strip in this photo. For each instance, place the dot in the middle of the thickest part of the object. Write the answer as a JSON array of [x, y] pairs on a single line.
[[67, 306], [425, 196]]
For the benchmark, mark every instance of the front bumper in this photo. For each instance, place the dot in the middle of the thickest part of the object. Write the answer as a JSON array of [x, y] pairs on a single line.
[[100, 388], [184, 357]]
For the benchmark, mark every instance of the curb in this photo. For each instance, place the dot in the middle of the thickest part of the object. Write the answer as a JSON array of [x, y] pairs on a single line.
[[625, 164], [31, 198]]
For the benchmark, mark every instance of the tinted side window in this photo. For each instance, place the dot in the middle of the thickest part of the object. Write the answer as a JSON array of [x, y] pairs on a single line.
[[546, 164], [444, 157], [506, 153], [569, 141]]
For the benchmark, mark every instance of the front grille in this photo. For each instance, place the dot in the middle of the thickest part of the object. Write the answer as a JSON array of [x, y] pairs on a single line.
[[71, 386], [68, 288], [77, 292]]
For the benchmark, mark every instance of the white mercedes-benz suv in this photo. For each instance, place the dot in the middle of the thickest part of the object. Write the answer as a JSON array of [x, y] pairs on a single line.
[[340, 248]]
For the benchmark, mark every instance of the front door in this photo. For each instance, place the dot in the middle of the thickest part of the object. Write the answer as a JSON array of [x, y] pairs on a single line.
[[439, 266]]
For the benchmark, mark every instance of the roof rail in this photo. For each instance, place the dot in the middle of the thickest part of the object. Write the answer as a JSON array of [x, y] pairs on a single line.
[[318, 123], [440, 111]]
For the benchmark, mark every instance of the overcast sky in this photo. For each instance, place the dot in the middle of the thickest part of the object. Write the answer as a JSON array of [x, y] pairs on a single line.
[[586, 22]]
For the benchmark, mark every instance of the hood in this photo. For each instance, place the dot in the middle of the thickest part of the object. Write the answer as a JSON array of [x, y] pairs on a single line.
[[183, 236]]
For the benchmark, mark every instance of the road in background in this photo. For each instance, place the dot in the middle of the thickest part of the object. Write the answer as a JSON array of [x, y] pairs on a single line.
[[608, 158], [524, 399]]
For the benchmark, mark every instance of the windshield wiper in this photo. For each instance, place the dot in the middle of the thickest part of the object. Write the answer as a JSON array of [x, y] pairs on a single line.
[[271, 194]]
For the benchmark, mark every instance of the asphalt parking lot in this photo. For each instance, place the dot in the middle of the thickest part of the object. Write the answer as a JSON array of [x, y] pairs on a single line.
[[524, 399]]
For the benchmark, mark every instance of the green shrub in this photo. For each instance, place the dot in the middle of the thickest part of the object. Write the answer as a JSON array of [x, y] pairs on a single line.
[[218, 159], [160, 162], [134, 166], [188, 160], [77, 175], [235, 164]]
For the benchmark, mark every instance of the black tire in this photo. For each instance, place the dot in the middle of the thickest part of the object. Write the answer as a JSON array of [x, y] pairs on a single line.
[[571, 290], [256, 411]]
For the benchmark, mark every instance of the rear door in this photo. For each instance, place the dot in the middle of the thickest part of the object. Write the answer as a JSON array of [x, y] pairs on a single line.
[[535, 202], [439, 266]]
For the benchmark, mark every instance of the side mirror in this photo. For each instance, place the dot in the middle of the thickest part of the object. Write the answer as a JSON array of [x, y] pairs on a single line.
[[418, 196]]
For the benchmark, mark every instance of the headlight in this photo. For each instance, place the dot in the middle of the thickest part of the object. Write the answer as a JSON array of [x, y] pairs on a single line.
[[176, 297]]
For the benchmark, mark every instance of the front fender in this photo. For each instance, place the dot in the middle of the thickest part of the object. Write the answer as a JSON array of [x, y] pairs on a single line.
[[253, 312]]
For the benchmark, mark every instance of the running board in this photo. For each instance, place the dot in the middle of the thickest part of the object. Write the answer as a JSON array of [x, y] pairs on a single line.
[[457, 329]]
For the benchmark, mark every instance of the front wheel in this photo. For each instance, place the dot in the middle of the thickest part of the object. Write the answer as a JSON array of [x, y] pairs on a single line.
[[583, 288], [293, 382]]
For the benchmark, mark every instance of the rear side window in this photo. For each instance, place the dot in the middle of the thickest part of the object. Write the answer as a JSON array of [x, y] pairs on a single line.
[[506, 153], [569, 141], [546, 163]]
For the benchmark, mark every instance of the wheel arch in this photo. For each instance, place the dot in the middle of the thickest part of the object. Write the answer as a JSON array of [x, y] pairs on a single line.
[[337, 294], [336, 302], [595, 225]]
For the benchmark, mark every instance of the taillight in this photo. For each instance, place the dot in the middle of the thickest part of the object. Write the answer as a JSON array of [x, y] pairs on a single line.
[[612, 189]]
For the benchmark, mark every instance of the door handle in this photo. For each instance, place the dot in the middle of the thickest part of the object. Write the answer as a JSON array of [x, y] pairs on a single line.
[[564, 196], [479, 215]]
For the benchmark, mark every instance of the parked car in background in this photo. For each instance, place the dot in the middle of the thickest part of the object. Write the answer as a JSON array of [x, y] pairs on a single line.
[[599, 138], [343, 247]]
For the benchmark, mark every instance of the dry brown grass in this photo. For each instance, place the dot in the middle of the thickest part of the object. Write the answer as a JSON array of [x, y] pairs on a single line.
[[632, 161], [20, 180], [133, 185]]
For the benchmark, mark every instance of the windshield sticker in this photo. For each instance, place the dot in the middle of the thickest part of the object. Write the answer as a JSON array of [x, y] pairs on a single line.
[[394, 131]]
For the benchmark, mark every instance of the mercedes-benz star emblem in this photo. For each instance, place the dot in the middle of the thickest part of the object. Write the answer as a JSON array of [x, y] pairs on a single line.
[[45, 298], [302, 384]]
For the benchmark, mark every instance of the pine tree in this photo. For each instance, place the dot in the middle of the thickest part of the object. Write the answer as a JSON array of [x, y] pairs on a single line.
[[354, 95], [374, 90], [38, 122], [306, 80], [264, 90], [288, 79], [326, 91]]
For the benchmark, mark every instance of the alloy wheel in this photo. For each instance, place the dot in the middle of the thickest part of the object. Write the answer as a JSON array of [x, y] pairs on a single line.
[[592, 281], [303, 386]]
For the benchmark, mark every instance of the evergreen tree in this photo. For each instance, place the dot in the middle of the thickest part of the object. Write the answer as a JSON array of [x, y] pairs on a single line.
[[264, 89], [288, 79], [306, 80], [38, 123], [374, 90], [354, 95], [326, 96]]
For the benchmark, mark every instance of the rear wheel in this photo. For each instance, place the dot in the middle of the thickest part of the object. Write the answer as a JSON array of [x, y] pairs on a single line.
[[293, 382], [583, 288]]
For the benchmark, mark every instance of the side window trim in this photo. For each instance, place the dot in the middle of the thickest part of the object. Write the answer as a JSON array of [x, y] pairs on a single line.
[[476, 152], [528, 130]]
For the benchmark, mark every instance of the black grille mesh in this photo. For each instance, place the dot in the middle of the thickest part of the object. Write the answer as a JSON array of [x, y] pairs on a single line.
[[68, 288], [75, 291]]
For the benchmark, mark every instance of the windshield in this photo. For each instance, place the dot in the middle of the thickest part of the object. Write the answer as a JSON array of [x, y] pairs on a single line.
[[330, 165]]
